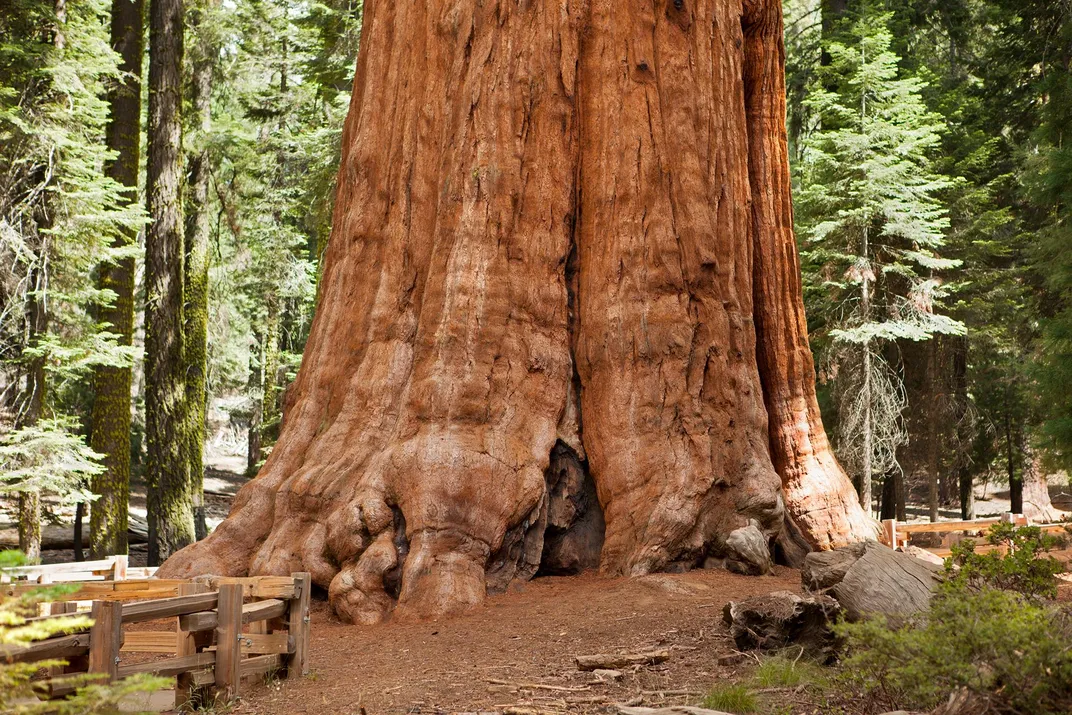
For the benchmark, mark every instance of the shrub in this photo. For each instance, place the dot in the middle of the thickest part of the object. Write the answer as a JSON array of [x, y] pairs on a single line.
[[1010, 651], [1022, 568]]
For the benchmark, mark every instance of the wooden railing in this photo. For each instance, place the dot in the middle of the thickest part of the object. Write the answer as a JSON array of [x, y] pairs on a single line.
[[113, 568], [225, 629], [898, 534]]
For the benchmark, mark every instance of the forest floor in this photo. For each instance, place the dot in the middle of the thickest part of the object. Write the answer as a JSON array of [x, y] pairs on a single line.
[[517, 650]]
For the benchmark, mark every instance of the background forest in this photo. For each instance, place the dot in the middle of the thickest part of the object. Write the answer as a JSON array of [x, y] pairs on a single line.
[[166, 186]]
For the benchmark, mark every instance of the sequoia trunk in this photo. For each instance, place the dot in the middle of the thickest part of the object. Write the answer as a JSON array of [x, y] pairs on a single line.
[[561, 268]]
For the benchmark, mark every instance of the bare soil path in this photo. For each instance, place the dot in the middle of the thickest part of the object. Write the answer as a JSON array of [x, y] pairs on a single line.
[[492, 658]]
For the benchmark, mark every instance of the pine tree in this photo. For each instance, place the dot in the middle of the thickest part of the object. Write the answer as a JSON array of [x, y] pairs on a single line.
[[59, 214], [872, 222], [197, 257]]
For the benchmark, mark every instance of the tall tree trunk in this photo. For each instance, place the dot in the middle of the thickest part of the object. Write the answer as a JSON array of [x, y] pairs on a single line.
[[964, 430], [111, 422], [197, 265], [32, 404], [1016, 482], [79, 516], [933, 407], [170, 515], [556, 233], [888, 498], [1036, 504], [254, 453], [271, 407]]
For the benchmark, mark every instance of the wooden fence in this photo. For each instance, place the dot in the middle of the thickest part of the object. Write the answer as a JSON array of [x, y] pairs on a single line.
[[899, 534], [113, 568], [223, 630]]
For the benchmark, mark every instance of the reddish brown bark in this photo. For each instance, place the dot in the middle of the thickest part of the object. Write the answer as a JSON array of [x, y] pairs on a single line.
[[819, 496], [540, 286]]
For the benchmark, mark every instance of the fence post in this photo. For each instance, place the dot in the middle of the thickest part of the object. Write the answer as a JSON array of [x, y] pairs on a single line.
[[889, 532], [298, 625], [59, 608], [228, 649], [186, 644], [106, 638], [119, 567]]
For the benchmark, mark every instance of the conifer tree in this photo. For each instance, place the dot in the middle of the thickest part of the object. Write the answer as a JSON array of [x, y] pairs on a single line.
[[872, 223], [197, 257], [58, 215]]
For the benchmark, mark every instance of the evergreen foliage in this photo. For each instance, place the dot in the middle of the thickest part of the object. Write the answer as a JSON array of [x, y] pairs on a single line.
[[16, 679], [871, 222], [58, 213]]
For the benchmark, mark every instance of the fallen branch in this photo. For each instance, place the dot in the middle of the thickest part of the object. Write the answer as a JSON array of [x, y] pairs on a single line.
[[610, 661], [541, 686]]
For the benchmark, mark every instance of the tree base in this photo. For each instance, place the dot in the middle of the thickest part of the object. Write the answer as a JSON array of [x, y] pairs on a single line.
[[560, 320]]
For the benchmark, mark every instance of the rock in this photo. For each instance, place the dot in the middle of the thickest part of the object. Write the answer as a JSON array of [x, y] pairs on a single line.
[[731, 659], [870, 578], [747, 552], [780, 619], [675, 710], [607, 675]]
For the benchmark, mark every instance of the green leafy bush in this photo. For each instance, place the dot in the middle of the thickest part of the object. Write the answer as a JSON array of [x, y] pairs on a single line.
[[1012, 652], [989, 631], [1022, 568]]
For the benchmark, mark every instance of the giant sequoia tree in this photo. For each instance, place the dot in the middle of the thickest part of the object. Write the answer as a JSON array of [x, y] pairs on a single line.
[[560, 321]]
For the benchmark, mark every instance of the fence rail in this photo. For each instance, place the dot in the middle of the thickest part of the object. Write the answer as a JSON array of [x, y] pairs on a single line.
[[898, 534], [113, 568], [224, 630]]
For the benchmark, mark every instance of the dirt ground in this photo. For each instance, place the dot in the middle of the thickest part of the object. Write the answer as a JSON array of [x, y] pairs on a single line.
[[494, 657]]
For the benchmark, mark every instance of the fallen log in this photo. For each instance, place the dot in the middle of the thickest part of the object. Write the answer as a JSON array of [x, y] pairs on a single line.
[[61, 536], [611, 661]]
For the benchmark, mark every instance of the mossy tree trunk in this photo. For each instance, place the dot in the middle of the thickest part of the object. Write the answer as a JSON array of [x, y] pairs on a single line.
[[31, 404], [197, 267], [562, 265], [170, 514], [111, 420]]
